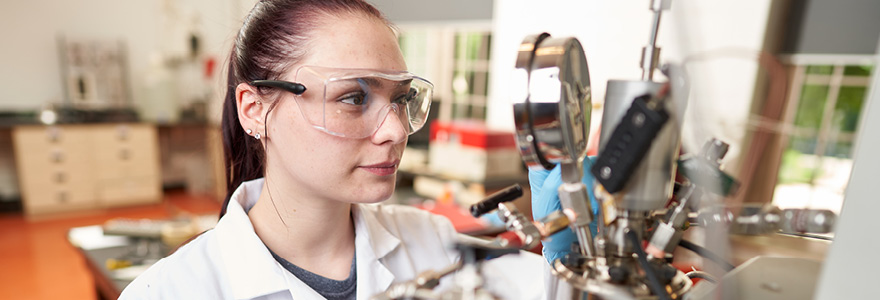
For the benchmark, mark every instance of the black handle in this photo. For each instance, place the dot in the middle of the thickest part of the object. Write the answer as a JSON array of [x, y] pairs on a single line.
[[490, 203], [628, 144]]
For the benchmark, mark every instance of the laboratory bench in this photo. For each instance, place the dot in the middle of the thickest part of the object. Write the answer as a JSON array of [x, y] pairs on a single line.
[[106, 285]]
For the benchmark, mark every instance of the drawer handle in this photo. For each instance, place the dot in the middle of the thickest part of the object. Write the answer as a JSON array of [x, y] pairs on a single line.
[[62, 197], [57, 156], [54, 134], [60, 177], [122, 132]]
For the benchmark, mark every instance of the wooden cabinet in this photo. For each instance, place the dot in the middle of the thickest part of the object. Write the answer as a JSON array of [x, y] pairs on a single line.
[[75, 167], [127, 164]]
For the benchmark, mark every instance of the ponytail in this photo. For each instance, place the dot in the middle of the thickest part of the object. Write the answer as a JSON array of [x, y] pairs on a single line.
[[242, 154]]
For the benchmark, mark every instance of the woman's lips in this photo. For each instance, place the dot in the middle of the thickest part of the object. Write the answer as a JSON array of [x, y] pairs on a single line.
[[382, 169]]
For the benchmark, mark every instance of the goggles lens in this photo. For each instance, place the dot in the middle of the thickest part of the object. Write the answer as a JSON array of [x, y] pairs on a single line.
[[354, 103]]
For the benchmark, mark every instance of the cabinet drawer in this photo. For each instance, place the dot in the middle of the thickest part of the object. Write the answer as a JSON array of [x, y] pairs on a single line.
[[126, 191], [128, 150], [58, 177], [46, 136], [136, 135], [126, 162], [57, 198]]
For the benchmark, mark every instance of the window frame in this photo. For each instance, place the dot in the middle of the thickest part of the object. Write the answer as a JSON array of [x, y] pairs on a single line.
[[441, 67], [825, 134]]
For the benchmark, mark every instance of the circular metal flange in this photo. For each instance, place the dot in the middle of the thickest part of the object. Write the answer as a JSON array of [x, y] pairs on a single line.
[[601, 289], [677, 287], [553, 115], [522, 115]]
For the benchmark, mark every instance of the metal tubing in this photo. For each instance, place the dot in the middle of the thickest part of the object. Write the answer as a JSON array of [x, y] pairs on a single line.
[[585, 238], [574, 199]]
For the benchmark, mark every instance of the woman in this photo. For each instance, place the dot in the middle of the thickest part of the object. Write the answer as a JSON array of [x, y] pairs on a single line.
[[316, 118]]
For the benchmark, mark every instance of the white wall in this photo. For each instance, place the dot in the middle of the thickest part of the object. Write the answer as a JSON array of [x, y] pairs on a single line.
[[850, 267], [613, 33], [421, 11], [30, 73]]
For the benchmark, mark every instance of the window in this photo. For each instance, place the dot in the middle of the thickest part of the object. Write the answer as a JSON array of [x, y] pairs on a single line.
[[456, 59], [824, 108], [470, 80]]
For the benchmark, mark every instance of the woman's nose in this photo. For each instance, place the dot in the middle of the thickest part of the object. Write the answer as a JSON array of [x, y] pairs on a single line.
[[391, 127]]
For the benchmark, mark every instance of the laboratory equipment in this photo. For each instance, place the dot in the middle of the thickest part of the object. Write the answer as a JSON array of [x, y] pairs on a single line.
[[643, 212], [635, 179]]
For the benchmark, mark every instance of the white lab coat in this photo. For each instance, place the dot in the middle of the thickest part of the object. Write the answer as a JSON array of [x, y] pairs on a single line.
[[393, 243]]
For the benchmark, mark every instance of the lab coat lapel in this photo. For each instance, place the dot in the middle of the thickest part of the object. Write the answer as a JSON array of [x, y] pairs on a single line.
[[251, 269], [373, 242]]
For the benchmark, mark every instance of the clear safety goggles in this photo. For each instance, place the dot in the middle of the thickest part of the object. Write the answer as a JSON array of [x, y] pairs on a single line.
[[353, 103]]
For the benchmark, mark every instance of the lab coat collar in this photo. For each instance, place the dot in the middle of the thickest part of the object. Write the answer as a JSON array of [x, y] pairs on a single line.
[[373, 242], [251, 269], [367, 224], [253, 272]]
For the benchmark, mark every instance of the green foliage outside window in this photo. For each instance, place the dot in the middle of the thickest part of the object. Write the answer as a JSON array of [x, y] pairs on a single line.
[[809, 112], [794, 170], [799, 161], [820, 70], [848, 108], [857, 71]]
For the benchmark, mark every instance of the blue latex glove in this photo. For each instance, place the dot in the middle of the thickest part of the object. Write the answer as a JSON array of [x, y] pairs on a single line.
[[545, 200]]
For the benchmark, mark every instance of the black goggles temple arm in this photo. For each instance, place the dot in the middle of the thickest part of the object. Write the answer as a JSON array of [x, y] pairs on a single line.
[[293, 87]]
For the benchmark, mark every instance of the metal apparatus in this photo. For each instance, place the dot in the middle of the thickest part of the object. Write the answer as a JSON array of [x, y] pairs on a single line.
[[643, 212], [521, 234], [468, 282], [637, 154], [635, 173]]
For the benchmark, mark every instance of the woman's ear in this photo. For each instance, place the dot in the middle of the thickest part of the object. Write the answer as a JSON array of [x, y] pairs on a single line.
[[251, 110]]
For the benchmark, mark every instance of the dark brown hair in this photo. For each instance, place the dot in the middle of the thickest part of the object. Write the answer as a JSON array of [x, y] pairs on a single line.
[[273, 37]]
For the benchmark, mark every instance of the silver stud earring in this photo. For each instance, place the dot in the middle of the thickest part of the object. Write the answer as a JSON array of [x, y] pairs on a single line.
[[249, 131], [257, 136]]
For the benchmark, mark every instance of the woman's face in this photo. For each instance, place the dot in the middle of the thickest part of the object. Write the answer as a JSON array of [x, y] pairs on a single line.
[[315, 164]]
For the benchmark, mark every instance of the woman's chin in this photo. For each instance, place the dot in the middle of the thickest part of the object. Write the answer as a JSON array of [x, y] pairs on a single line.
[[376, 195]]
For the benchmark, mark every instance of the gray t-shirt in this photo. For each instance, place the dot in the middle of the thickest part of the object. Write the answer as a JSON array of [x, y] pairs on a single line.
[[329, 288]]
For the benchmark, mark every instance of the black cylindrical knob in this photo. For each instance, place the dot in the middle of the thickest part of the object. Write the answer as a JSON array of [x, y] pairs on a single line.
[[665, 272], [490, 203], [618, 274]]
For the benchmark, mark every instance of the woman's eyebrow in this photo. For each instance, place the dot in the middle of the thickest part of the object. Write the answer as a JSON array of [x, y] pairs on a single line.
[[377, 83], [373, 82]]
